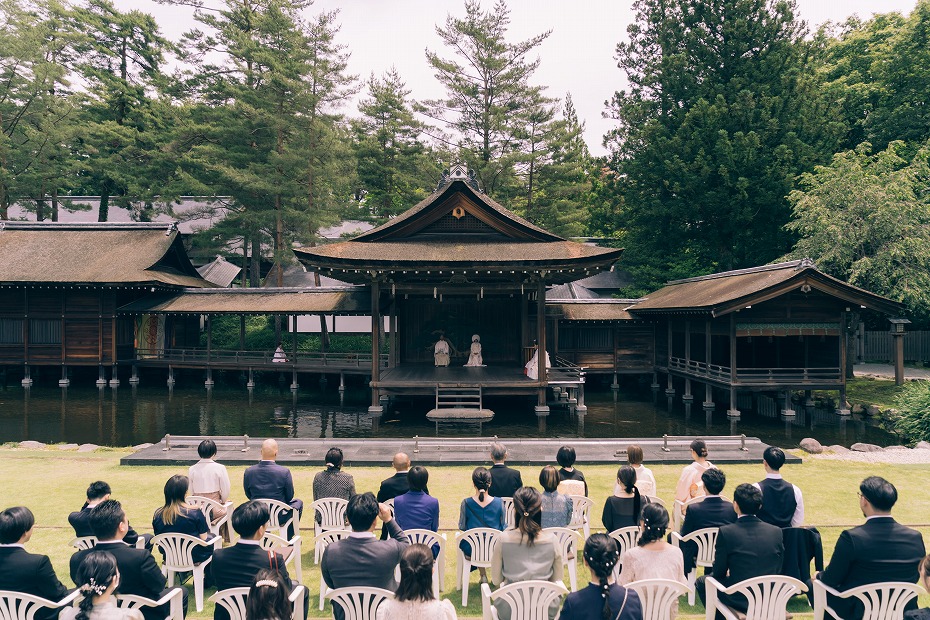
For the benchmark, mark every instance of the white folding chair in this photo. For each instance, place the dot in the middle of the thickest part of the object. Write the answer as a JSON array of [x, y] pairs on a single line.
[[430, 538], [571, 487], [656, 500], [626, 538], [658, 597], [332, 512], [706, 541], [528, 600], [581, 514], [209, 507], [178, 550], [767, 597], [19, 606], [482, 541], [275, 509], [679, 508], [234, 600], [273, 542], [83, 542], [359, 603], [509, 517], [881, 601], [174, 599], [567, 541], [320, 542]]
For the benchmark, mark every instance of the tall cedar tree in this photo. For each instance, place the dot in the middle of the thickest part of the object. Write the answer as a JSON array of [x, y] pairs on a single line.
[[719, 119], [488, 94]]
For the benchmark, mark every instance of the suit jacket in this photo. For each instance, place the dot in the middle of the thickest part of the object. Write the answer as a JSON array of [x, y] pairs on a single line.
[[268, 480], [393, 486], [364, 561], [138, 572], [879, 550], [748, 548], [29, 573], [80, 521], [504, 481], [236, 566], [714, 511]]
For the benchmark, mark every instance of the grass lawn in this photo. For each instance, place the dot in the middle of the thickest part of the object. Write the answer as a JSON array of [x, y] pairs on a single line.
[[868, 391], [52, 484]]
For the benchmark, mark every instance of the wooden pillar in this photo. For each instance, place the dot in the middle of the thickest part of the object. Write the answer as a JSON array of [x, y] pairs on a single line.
[[375, 407], [733, 411], [524, 324], [541, 408], [242, 329], [898, 358], [209, 337], [707, 341], [392, 343]]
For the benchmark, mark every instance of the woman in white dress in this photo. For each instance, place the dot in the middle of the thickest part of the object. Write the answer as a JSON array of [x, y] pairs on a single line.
[[690, 484], [414, 597], [645, 480], [474, 353], [97, 578], [653, 557]]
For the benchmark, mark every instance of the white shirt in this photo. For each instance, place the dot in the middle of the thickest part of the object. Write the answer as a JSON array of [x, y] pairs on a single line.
[[20, 545], [208, 476], [797, 520]]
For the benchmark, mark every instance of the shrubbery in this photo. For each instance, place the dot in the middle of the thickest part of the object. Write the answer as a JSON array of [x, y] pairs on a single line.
[[259, 336], [913, 404]]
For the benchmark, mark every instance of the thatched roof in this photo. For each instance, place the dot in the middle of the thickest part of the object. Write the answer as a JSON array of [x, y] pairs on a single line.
[[220, 272], [345, 300], [95, 254], [592, 309]]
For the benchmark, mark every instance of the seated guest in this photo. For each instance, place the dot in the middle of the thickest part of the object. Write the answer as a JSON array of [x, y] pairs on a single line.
[[332, 481], [565, 457], [745, 549], [714, 511], [396, 484], [782, 502], [268, 597], [689, 484], [653, 557], [361, 559], [415, 510], [414, 597], [21, 571], [526, 552], [879, 550], [556, 507], [921, 614], [97, 580], [211, 480], [176, 517], [623, 509], [645, 480], [268, 480], [480, 510], [80, 520], [504, 480], [602, 598], [139, 574]]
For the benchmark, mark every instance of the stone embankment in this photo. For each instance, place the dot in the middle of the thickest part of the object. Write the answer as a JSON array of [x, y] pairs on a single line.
[[867, 452]]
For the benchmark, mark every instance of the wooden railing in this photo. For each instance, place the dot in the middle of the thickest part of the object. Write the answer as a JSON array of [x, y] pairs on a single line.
[[772, 376], [564, 371], [242, 359], [703, 369]]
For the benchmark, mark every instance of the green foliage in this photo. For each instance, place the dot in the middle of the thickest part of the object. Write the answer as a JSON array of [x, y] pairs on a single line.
[[913, 404], [260, 336], [866, 219]]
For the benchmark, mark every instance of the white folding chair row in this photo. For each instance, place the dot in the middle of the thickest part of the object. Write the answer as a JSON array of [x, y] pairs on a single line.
[[174, 599], [178, 550], [626, 538], [482, 541], [430, 538], [658, 597], [706, 541], [880, 601], [767, 597], [581, 514], [209, 507], [332, 512], [234, 601], [275, 509], [359, 603], [320, 542], [19, 606], [528, 600], [273, 542], [568, 541]]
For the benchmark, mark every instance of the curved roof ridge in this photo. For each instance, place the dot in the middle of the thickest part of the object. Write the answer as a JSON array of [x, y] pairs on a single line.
[[802, 263]]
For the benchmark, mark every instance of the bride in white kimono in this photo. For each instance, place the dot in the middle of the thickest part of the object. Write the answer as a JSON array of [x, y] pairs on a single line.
[[532, 367], [474, 353]]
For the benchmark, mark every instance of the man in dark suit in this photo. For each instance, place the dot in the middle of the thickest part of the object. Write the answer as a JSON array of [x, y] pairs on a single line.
[[879, 550], [396, 484], [782, 502], [139, 574], [236, 566], [80, 520], [21, 571], [361, 559], [745, 549], [504, 481], [268, 480], [714, 511]]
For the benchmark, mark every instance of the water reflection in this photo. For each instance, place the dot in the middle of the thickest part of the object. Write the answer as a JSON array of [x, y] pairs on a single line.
[[135, 415]]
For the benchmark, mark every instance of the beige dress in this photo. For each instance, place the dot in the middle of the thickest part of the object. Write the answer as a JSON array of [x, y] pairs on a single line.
[[416, 610], [665, 563], [104, 611]]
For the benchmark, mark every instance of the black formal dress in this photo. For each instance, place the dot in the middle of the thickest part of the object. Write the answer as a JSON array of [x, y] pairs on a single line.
[[714, 511], [236, 566], [621, 512], [745, 549], [587, 604], [191, 522], [879, 550], [30, 573], [504, 481]]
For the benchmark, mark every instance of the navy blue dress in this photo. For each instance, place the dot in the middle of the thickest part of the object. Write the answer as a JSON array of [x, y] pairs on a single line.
[[192, 522], [586, 604]]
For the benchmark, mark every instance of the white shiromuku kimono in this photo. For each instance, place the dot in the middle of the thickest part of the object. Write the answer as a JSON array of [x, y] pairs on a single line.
[[532, 367], [474, 353]]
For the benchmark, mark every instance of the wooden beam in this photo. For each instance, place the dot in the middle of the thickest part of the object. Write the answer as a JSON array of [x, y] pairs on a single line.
[[375, 341]]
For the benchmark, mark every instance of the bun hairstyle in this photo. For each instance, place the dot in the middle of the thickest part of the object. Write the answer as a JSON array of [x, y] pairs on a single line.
[[527, 512], [94, 575], [268, 596], [600, 553], [333, 458], [626, 476], [700, 448], [416, 574], [481, 478], [655, 524]]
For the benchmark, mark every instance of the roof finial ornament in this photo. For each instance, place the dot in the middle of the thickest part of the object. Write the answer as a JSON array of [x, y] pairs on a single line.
[[807, 263], [172, 227], [459, 172]]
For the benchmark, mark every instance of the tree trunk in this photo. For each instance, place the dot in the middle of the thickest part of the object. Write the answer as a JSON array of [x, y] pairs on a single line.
[[255, 275], [55, 204], [245, 261], [40, 206], [104, 212]]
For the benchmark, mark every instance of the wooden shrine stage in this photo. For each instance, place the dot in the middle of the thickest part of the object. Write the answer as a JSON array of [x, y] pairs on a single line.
[[423, 379]]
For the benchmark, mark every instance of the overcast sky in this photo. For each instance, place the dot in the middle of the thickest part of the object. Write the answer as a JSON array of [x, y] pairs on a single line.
[[576, 58]]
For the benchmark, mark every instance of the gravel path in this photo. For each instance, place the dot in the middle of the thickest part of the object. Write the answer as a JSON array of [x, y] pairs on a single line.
[[898, 457], [886, 371]]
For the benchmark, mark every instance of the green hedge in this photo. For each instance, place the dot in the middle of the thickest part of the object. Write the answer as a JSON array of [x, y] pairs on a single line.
[[259, 336], [913, 404]]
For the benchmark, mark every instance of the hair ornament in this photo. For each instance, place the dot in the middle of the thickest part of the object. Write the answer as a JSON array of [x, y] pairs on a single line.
[[267, 583], [92, 586], [526, 514]]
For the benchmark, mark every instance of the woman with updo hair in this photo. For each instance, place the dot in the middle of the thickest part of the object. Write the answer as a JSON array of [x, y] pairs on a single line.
[[480, 510], [97, 578], [653, 557], [414, 597], [602, 599], [526, 552], [269, 597], [623, 509], [689, 484]]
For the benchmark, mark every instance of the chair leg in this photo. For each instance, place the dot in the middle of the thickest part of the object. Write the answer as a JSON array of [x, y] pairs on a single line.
[[573, 575], [692, 577], [298, 563], [441, 571], [466, 572], [198, 587], [436, 581], [322, 593], [170, 574]]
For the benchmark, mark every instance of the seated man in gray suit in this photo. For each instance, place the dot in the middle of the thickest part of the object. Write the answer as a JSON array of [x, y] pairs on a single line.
[[361, 559]]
